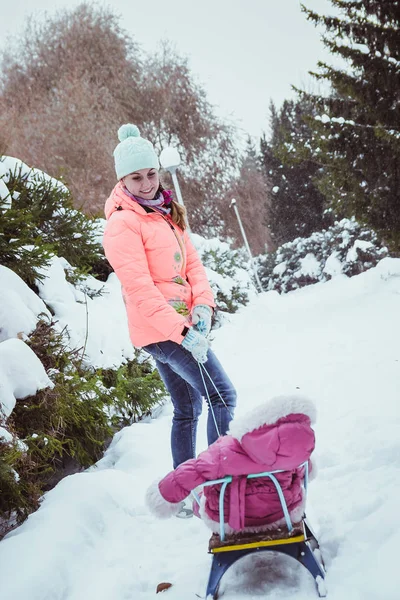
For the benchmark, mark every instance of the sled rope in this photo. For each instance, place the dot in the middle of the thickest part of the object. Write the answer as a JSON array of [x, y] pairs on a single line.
[[203, 369], [210, 406]]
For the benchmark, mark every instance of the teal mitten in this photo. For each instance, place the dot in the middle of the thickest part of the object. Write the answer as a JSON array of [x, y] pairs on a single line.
[[201, 318], [196, 344]]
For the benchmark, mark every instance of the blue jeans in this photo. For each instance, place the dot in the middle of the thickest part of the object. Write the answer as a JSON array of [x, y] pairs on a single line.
[[181, 375]]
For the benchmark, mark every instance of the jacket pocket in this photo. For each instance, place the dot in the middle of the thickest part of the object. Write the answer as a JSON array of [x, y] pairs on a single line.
[[156, 352]]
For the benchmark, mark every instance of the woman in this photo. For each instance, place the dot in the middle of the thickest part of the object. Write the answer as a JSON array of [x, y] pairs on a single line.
[[168, 299]]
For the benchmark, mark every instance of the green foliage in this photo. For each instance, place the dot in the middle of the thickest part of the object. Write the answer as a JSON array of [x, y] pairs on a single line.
[[19, 496], [357, 133], [296, 206], [136, 388], [52, 223], [225, 262], [68, 421], [233, 301], [229, 294], [21, 248], [66, 428]]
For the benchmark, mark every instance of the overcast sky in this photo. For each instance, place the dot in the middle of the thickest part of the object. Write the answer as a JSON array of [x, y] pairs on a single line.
[[243, 52]]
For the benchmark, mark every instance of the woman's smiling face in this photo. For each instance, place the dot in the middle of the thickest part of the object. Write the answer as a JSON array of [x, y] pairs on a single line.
[[143, 183]]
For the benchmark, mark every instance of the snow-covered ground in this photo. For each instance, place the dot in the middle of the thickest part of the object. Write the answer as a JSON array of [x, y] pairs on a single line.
[[337, 342]]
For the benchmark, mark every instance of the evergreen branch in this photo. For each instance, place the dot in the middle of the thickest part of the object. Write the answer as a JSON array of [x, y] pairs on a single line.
[[390, 130], [358, 28], [87, 328], [359, 58], [386, 11], [356, 90]]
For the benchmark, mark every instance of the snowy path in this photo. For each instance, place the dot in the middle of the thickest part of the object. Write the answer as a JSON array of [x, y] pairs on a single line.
[[338, 343]]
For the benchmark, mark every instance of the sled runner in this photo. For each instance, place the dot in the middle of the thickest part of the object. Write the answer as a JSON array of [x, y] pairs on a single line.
[[295, 539]]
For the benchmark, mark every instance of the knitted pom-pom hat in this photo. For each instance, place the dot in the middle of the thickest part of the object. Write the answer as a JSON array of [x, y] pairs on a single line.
[[133, 152]]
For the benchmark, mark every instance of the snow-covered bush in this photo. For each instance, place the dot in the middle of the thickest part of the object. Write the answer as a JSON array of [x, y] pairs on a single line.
[[39, 220], [66, 382], [228, 273], [345, 248]]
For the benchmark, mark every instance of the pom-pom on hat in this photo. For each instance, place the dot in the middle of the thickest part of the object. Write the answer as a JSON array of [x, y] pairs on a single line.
[[133, 152]]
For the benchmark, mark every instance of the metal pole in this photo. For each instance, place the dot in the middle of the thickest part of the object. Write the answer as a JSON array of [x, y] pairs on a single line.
[[176, 186], [246, 243], [175, 181]]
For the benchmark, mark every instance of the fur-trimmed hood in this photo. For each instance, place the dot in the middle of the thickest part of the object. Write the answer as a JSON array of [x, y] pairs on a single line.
[[293, 413], [270, 412]]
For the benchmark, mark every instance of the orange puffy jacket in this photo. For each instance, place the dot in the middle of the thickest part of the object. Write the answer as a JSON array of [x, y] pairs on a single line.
[[159, 269]]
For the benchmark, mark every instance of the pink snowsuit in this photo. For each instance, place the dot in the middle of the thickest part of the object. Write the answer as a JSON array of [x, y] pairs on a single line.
[[275, 435], [160, 271]]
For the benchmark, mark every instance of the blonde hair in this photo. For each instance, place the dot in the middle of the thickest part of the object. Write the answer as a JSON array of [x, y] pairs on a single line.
[[178, 214]]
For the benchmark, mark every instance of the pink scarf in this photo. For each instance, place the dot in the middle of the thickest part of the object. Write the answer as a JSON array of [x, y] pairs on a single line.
[[161, 202]]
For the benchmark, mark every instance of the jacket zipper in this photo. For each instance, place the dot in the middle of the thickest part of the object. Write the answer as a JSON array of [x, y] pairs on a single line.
[[182, 249]]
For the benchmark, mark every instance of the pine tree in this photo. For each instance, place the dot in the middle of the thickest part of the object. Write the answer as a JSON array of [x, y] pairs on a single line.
[[295, 204], [41, 221], [357, 134], [22, 249]]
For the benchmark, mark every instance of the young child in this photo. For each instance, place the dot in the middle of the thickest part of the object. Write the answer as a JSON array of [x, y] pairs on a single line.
[[275, 435]]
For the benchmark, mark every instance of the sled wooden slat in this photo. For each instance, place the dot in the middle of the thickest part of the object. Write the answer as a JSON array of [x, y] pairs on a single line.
[[277, 542]]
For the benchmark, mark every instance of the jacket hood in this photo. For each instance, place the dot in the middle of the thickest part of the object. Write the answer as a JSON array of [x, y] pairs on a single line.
[[278, 433], [119, 198], [270, 412]]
